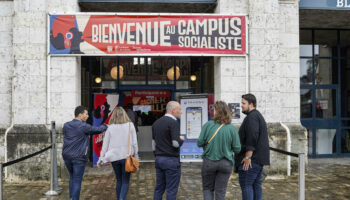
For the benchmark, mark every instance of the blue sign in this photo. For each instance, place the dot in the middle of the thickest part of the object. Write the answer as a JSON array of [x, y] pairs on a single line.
[[325, 4]]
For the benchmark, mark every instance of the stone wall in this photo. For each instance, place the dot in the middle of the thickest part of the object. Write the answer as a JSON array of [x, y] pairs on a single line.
[[24, 140], [26, 20], [6, 61]]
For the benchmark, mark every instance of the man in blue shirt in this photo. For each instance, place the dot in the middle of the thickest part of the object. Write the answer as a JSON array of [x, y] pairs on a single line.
[[75, 148]]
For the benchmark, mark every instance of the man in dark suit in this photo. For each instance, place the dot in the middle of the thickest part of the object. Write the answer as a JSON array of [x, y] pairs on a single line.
[[166, 143]]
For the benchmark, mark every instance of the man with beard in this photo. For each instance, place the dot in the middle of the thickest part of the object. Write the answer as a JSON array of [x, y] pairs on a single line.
[[255, 150]]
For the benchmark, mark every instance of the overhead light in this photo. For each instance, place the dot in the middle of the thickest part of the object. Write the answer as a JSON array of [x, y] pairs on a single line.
[[98, 80], [114, 72], [171, 72], [193, 78]]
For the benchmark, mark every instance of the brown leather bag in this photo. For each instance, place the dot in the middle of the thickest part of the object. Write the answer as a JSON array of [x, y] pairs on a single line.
[[131, 162]]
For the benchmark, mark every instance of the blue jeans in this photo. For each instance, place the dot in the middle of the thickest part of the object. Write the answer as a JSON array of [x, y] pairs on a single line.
[[168, 172], [123, 178], [76, 172], [250, 182]]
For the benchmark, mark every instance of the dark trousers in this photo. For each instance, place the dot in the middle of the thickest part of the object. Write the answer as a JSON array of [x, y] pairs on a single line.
[[215, 175], [123, 178], [168, 171], [250, 182], [76, 170]]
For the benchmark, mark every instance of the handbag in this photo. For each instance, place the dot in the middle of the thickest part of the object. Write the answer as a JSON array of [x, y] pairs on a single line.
[[131, 162]]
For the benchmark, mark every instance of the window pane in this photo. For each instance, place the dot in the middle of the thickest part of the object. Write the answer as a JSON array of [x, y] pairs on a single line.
[[345, 87], [158, 70], [325, 103], [345, 141], [133, 73], [305, 43], [345, 43], [326, 71], [305, 71], [184, 64], [306, 103], [325, 141], [309, 140], [325, 43]]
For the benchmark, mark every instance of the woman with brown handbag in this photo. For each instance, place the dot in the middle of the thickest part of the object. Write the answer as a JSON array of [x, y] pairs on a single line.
[[118, 144]]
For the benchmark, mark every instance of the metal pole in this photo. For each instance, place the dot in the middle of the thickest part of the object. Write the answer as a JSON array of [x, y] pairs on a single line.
[[0, 181], [301, 176], [54, 148], [51, 192]]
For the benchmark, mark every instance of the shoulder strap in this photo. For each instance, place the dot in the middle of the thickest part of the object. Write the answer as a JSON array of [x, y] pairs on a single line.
[[217, 130], [129, 140]]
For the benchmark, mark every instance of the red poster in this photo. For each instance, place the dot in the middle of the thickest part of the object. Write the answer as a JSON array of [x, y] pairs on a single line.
[[157, 99]]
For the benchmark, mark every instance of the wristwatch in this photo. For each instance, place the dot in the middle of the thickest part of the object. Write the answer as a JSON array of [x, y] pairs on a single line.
[[247, 157]]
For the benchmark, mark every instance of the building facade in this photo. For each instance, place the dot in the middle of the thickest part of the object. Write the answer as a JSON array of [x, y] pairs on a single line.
[[288, 52]]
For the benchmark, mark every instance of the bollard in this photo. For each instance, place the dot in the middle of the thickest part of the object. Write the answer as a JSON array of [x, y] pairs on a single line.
[[52, 192], [301, 176]]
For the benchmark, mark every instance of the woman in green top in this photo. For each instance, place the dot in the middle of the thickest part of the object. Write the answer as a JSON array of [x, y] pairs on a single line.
[[219, 139]]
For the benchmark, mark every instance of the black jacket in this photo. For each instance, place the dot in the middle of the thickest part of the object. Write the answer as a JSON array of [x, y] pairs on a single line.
[[164, 131], [253, 136], [76, 139]]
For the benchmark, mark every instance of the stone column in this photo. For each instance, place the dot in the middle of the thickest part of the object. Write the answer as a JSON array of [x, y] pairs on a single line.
[[229, 72]]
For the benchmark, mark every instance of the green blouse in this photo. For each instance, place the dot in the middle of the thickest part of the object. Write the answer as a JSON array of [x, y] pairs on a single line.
[[222, 145]]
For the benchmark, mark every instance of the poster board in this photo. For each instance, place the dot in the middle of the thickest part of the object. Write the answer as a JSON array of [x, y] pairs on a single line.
[[104, 105], [194, 115]]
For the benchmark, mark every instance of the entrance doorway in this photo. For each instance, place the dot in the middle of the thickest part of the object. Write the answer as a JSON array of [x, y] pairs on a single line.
[[147, 84]]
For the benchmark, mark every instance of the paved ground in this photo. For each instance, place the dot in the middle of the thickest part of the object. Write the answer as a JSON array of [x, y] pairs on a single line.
[[326, 179]]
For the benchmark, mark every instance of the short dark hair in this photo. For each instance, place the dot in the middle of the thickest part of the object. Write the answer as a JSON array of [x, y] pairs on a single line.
[[79, 110], [250, 98]]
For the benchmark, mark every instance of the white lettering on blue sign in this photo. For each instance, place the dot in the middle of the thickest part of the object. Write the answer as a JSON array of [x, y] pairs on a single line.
[[343, 4]]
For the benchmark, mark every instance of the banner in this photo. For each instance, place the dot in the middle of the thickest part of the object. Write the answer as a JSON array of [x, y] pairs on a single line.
[[104, 105], [147, 34]]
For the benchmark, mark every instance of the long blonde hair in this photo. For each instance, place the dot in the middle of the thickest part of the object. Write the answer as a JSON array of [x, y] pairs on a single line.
[[119, 116]]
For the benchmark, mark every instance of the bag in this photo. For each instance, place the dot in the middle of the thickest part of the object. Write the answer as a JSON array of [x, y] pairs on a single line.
[[131, 162]]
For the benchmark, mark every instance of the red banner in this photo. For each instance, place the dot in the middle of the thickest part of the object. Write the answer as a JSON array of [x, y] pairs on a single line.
[[151, 34]]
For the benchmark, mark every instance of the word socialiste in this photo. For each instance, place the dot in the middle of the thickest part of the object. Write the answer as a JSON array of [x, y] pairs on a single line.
[[222, 33]]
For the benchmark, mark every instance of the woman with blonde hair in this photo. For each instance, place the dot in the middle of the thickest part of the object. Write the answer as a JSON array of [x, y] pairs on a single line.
[[116, 146], [219, 139]]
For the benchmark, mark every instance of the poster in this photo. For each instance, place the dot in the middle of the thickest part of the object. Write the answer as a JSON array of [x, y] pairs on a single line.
[[235, 110], [147, 34], [148, 100], [104, 105], [194, 115]]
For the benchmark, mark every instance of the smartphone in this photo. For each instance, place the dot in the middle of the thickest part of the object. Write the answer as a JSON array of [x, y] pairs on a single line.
[[193, 122]]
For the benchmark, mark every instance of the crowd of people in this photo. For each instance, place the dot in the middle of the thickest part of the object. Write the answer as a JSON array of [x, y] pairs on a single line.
[[225, 149]]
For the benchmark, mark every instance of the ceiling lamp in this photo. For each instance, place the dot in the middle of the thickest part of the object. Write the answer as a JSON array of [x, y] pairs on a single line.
[[193, 77], [114, 72], [170, 73], [98, 80]]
